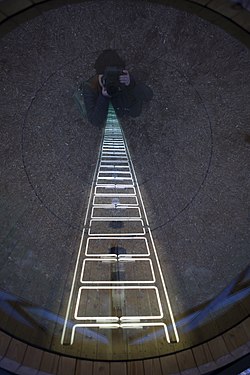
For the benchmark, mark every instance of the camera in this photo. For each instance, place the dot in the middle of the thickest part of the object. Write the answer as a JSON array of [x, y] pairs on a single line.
[[110, 80]]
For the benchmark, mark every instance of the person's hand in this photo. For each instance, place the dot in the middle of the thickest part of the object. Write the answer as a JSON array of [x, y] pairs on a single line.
[[125, 78]]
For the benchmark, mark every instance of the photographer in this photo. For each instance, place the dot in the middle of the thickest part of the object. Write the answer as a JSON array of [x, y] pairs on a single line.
[[112, 82]]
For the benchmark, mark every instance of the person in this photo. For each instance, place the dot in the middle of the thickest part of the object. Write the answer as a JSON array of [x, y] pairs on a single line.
[[127, 100]]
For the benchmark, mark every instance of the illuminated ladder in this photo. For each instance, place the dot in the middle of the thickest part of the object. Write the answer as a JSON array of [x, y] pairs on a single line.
[[118, 282]]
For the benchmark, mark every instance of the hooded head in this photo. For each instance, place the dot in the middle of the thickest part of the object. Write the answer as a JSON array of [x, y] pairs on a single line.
[[109, 57]]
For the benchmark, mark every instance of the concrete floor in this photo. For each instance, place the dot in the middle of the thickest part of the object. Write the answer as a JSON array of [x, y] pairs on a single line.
[[188, 146]]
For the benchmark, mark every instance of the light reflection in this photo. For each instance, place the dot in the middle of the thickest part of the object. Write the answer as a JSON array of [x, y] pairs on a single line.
[[30, 321], [224, 300]]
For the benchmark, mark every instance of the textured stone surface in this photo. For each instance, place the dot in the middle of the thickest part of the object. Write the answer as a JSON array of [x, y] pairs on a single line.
[[188, 146]]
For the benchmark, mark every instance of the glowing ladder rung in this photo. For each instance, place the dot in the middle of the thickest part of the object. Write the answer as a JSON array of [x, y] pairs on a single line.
[[115, 178], [114, 171], [114, 166], [113, 152], [108, 148], [113, 186], [112, 161]]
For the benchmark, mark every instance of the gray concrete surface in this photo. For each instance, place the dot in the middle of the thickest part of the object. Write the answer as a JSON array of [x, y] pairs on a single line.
[[188, 146]]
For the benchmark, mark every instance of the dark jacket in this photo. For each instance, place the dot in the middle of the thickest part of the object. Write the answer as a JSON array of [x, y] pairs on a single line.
[[96, 104]]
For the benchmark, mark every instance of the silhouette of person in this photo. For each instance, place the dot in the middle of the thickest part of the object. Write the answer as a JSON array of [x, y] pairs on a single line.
[[128, 97]]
